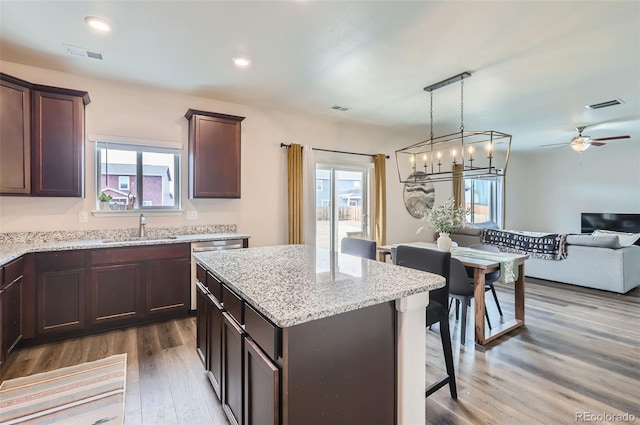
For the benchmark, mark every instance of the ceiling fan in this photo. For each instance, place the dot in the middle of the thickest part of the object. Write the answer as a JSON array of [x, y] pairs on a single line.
[[581, 143]]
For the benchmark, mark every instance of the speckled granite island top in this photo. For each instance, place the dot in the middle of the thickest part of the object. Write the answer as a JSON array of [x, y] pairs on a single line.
[[294, 284]]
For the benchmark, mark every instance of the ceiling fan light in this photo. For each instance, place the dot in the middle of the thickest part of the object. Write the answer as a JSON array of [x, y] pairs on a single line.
[[579, 144]]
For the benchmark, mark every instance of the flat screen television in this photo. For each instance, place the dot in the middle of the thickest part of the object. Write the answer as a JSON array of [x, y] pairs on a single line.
[[629, 223]]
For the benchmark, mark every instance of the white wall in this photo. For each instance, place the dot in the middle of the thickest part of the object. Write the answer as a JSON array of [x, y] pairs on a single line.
[[142, 112], [548, 189]]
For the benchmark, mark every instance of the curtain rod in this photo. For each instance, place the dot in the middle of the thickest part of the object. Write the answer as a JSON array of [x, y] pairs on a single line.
[[284, 145]]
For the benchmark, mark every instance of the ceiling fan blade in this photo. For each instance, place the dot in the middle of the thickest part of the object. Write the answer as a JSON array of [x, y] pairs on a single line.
[[553, 145], [597, 143], [609, 138]]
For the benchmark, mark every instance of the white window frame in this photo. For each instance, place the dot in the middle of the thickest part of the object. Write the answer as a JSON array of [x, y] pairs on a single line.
[[105, 142], [496, 200]]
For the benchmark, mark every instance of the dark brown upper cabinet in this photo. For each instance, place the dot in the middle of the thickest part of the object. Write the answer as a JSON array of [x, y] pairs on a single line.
[[15, 136], [42, 147], [214, 154]]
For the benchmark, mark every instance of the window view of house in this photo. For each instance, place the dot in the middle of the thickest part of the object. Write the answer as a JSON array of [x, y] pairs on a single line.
[[136, 177]]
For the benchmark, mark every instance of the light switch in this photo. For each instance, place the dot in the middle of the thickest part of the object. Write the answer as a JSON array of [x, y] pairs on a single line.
[[83, 217], [192, 215]]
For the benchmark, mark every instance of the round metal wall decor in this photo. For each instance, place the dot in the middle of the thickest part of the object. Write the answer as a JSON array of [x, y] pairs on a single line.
[[419, 196]]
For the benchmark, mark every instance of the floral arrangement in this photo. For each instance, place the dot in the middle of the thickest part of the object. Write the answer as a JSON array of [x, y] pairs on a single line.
[[445, 218]]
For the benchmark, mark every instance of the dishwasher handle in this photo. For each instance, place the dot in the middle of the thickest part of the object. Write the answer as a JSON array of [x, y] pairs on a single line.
[[217, 245]]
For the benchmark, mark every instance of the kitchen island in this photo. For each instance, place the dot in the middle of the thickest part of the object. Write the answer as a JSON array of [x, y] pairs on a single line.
[[299, 335]]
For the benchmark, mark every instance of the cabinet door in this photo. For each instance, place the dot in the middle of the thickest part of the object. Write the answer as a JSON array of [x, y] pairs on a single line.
[[61, 300], [232, 369], [12, 314], [15, 138], [115, 293], [214, 344], [58, 148], [201, 323], [214, 155], [261, 387], [167, 286]]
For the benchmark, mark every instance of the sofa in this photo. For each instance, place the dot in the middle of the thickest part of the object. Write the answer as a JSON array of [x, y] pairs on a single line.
[[598, 261]]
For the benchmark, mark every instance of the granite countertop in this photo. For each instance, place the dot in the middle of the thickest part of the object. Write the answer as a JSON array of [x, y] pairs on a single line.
[[294, 284], [11, 249]]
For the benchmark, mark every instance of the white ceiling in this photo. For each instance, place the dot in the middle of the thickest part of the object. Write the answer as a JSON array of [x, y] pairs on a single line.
[[535, 65]]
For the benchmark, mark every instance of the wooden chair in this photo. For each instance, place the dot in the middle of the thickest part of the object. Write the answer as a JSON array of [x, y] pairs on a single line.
[[359, 247], [438, 262]]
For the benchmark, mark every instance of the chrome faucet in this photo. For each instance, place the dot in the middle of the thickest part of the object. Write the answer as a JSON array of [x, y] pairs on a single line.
[[143, 222]]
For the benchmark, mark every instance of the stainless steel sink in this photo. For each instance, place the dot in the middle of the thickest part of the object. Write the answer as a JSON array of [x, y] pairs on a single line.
[[137, 239]]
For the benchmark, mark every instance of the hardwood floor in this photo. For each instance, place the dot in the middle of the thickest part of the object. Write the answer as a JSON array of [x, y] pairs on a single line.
[[579, 352], [166, 382]]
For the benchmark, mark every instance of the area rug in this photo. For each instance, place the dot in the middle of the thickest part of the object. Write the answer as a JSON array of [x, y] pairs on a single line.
[[88, 393]]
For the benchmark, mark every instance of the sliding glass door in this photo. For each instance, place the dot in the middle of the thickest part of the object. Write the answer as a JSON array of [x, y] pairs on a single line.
[[342, 204]]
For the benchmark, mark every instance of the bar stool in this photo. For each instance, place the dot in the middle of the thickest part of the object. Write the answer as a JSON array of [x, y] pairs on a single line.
[[359, 247], [438, 262]]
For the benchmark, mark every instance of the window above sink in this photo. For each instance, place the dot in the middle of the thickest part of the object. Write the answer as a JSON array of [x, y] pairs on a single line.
[[138, 175]]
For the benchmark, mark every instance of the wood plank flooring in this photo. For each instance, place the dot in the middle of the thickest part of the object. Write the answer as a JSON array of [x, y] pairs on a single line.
[[579, 352], [166, 382]]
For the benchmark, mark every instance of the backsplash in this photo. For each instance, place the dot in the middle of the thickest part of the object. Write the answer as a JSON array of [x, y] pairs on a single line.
[[151, 232]]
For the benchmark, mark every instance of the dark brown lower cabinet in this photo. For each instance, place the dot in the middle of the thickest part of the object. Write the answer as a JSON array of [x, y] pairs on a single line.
[[201, 323], [261, 387], [167, 286], [115, 293], [335, 370], [232, 369], [11, 303], [61, 301], [214, 343]]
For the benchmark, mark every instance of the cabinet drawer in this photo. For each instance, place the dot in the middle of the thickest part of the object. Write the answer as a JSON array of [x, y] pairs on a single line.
[[61, 260], [233, 304], [262, 331], [136, 254], [215, 286], [201, 274], [12, 271]]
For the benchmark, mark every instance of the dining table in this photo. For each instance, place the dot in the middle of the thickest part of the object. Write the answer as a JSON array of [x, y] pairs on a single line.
[[481, 266]]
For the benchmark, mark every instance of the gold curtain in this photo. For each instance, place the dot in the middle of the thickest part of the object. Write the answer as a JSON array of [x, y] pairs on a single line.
[[380, 196], [458, 186], [294, 178]]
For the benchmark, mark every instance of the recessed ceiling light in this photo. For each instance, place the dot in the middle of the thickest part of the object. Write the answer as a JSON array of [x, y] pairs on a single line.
[[98, 24], [241, 62]]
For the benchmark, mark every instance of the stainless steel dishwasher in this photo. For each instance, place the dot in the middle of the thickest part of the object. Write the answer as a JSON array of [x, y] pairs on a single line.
[[208, 246]]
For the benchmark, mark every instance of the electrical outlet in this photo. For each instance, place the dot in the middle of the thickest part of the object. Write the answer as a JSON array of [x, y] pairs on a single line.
[[192, 215], [83, 217]]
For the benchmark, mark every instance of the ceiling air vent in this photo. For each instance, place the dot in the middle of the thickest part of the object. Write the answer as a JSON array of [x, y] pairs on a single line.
[[339, 108], [605, 104], [81, 51]]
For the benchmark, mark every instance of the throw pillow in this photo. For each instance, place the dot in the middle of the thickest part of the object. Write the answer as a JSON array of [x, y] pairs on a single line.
[[625, 239], [603, 241]]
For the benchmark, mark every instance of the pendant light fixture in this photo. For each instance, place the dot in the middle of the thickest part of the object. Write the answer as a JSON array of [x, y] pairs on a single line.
[[468, 154]]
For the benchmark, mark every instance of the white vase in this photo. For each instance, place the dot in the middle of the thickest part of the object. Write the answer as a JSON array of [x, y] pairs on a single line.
[[104, 206], [444, 242]]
